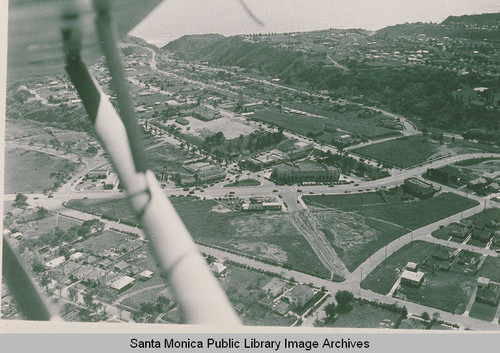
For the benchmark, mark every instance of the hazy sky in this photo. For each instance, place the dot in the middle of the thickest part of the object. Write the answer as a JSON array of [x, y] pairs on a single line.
[[174, 18]]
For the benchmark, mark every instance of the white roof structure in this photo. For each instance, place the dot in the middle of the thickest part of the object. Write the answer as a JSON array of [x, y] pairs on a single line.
[[412, 266], [218, 267], [122, 282], [413, 276], [55, 262], [76, 256], [146, 274]]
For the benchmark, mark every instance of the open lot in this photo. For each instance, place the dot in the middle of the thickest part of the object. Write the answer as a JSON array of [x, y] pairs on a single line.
[[348, 120], [231, 128], [483, 311], [409, 151], [491, 268], [385, 275], [268, 235], [366, 315], [409, 214], [106, 240], [354, 237], [29, 171]]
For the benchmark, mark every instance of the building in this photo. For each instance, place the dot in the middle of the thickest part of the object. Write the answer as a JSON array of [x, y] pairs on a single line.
[[259, 204], [274, 287], [299, 295], [76, 256], [99, 173], [111, 181], [55, 262], [206, 172], [145, 275], [459, 231], [121, 266], [412, 278], [412, 266], [419, 187], [304, 171], [487, 294], [218, 268], [123, 283]]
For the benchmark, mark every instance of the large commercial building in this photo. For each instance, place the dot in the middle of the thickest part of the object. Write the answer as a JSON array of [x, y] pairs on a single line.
[[206, 172], [419, 187], [304, 171]]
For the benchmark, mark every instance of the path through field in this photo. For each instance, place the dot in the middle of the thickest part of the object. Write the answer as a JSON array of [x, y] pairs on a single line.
[[304, 222]]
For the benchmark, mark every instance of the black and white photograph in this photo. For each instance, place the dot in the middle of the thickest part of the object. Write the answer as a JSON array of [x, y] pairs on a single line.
[[321, 164]]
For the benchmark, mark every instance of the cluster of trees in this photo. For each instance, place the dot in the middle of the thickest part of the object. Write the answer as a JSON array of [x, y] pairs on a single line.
[[350, 165], [256, 141], [149, 311]]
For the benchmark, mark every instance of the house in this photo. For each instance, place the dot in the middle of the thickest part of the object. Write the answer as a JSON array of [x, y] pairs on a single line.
[[412, 266], [419, 187], [218, 268], [489, 294], [412, 278], [274, 287], [299, 295], [458, 231], [123, 283], [145, 275], [121, 266], [483, 282], [111, 181], [55, 262], [76, 256], [99, 173]]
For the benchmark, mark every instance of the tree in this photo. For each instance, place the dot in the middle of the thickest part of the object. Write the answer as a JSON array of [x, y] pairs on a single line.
[[425, 315], [343, 298], [20, 200], [330, 310], [73, 294], [42, 213]]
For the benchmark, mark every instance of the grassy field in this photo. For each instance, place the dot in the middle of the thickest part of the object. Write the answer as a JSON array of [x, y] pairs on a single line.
[[105, 240], [354, 237], [29, 171], [406, 152], [385, 275], [348, 121], [402, 152], [303, 124], [483, 311], [364, 315], [408, 214], [265, 235], [491, 268]]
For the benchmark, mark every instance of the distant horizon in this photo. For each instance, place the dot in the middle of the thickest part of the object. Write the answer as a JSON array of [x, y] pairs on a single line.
[[176, 18]]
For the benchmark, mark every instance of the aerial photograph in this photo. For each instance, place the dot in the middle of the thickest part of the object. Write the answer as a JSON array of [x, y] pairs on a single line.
[[322, 163]]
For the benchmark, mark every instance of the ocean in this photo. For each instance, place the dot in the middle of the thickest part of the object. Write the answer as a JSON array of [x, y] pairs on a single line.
[[175, 18]]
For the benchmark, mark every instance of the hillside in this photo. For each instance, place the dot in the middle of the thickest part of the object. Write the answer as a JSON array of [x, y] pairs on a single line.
[[426, 92], [487, 19]]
